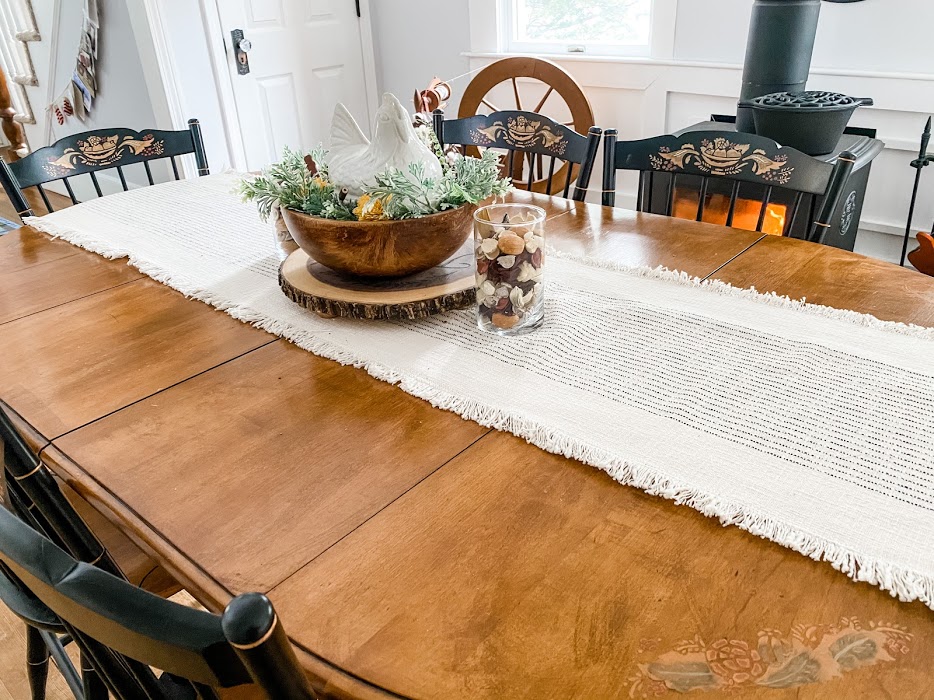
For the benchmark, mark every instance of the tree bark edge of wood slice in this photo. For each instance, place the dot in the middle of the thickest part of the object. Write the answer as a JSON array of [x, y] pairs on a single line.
[[326, 298]]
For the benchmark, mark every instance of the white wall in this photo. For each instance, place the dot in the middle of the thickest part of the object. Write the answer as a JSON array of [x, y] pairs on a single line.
[[874, 35], [416, 40], [874, 48]]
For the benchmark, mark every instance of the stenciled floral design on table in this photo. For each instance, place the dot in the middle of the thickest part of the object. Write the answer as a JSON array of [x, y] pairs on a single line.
[[809, 654], [521, 132], [101, 151], [723, 157]]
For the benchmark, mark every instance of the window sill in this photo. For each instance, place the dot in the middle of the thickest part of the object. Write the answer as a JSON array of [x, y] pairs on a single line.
[[680, 63], [595, 58]]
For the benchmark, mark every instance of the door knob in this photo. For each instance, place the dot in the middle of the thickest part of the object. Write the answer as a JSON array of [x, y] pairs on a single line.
[[241, 46]]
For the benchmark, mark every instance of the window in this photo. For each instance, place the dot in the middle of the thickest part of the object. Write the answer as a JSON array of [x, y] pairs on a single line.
[[592, 27]]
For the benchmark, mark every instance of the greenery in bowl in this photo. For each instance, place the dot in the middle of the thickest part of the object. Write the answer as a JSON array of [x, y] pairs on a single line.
[[292, 184]]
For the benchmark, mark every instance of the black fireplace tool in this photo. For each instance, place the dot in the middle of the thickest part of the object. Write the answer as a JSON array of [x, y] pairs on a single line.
[[924, 159]]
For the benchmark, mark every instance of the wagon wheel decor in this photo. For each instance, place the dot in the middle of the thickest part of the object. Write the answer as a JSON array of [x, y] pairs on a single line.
[[562, 99]]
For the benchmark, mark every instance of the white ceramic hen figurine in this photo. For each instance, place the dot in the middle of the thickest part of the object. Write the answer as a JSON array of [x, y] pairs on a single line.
[[354, 162]]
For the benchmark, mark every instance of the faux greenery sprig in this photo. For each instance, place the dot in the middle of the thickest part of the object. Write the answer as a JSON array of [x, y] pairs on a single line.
[[396, 195]]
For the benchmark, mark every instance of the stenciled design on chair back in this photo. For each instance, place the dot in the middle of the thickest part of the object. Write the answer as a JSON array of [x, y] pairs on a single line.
[[735, 156], [101, 151], [522, 132], [518, 131], [97, 150], [723, 157]]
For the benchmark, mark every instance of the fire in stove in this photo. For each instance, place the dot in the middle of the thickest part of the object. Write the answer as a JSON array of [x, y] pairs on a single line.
[[717, 210]]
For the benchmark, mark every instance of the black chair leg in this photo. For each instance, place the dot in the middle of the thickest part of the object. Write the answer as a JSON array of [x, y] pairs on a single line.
[[55, 645], [37, 662], [94, 688]]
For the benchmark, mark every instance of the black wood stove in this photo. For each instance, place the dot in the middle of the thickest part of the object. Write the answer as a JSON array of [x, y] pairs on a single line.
[[778, 59]]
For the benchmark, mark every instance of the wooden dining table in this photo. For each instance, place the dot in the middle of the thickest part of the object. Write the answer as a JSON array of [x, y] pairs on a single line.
[[410, 552]]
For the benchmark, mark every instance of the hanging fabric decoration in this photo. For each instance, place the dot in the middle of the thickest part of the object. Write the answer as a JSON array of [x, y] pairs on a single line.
[[78, 97], [85, 76], [60, 109]]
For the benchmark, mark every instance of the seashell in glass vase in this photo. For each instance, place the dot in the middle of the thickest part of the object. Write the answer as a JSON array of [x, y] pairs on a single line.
[[381, 248]]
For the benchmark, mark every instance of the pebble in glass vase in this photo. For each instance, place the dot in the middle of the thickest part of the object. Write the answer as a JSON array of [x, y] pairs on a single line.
[[510, 252]]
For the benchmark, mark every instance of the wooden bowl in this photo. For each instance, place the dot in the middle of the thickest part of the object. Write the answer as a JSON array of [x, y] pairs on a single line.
[[381, 248]]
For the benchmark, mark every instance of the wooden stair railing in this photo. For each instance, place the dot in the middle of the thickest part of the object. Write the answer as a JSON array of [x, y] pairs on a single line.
[[12, 129]]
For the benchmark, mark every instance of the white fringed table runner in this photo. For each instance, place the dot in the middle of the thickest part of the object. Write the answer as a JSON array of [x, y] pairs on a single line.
[[808, 426]]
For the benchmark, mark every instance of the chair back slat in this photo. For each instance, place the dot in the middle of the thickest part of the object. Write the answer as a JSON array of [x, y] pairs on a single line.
[[92, 152], [535, 137], [732, 156]]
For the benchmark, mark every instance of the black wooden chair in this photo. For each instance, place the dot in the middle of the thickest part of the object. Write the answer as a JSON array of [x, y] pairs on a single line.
[[710, 156], [93, 152], [536, 138], [125, 632], [34, 495]]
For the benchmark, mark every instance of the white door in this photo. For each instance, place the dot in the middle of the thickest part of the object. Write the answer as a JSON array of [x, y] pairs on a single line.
[[305, 56]]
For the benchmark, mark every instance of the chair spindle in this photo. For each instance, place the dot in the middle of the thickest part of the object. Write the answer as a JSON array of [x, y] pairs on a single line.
[[762, 210], [702, 199], [97, 185], [792, 215], [45, 199], [551, 173], [734, 196], [670, 202], [71, 192], [568, 180]]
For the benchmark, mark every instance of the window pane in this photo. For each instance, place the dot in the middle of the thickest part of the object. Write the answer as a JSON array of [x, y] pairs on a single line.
[[610, 22]]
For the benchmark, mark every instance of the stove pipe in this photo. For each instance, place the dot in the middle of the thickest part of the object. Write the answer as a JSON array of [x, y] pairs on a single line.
[[778, 51]]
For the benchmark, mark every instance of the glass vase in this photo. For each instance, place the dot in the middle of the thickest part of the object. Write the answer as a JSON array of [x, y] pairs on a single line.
[[509, 246]]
